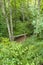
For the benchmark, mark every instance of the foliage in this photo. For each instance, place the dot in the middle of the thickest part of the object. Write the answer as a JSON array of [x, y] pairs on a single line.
[[20, 9], [3, 27], [26, 18], [37, 22], [19, 25], [28, 53], [23, 27]]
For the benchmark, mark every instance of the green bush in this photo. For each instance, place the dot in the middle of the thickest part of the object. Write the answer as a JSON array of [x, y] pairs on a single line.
[[23, 27], [28, 53]]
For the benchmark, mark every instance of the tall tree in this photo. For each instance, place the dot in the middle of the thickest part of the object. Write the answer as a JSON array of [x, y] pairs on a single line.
[[3, 6], [11, 23]]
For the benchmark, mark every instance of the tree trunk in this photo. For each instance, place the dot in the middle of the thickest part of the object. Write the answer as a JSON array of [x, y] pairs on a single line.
[[11, 23], [6, 17]]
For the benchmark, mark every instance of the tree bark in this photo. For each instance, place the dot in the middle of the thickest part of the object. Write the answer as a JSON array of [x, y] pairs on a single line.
[[6, 17], [11, 23]]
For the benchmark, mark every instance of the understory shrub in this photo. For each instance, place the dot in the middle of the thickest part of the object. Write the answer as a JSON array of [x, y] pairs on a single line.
[[23, 27], [28, 53]]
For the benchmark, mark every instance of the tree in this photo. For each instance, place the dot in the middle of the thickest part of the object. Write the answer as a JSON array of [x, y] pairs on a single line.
[[3, 6], [11, 23]]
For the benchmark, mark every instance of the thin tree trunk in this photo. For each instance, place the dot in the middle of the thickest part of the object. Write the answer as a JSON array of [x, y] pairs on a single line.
[[11, 23], [15, 14], [22, 10], [6, 17]]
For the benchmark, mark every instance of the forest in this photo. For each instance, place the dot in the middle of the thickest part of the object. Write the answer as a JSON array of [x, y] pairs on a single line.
[[21, 32]]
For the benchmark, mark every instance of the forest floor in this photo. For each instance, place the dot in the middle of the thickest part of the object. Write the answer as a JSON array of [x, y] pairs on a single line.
[[21, 39]]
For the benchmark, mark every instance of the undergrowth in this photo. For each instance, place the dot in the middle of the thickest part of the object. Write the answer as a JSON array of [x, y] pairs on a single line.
[[29, 52]]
